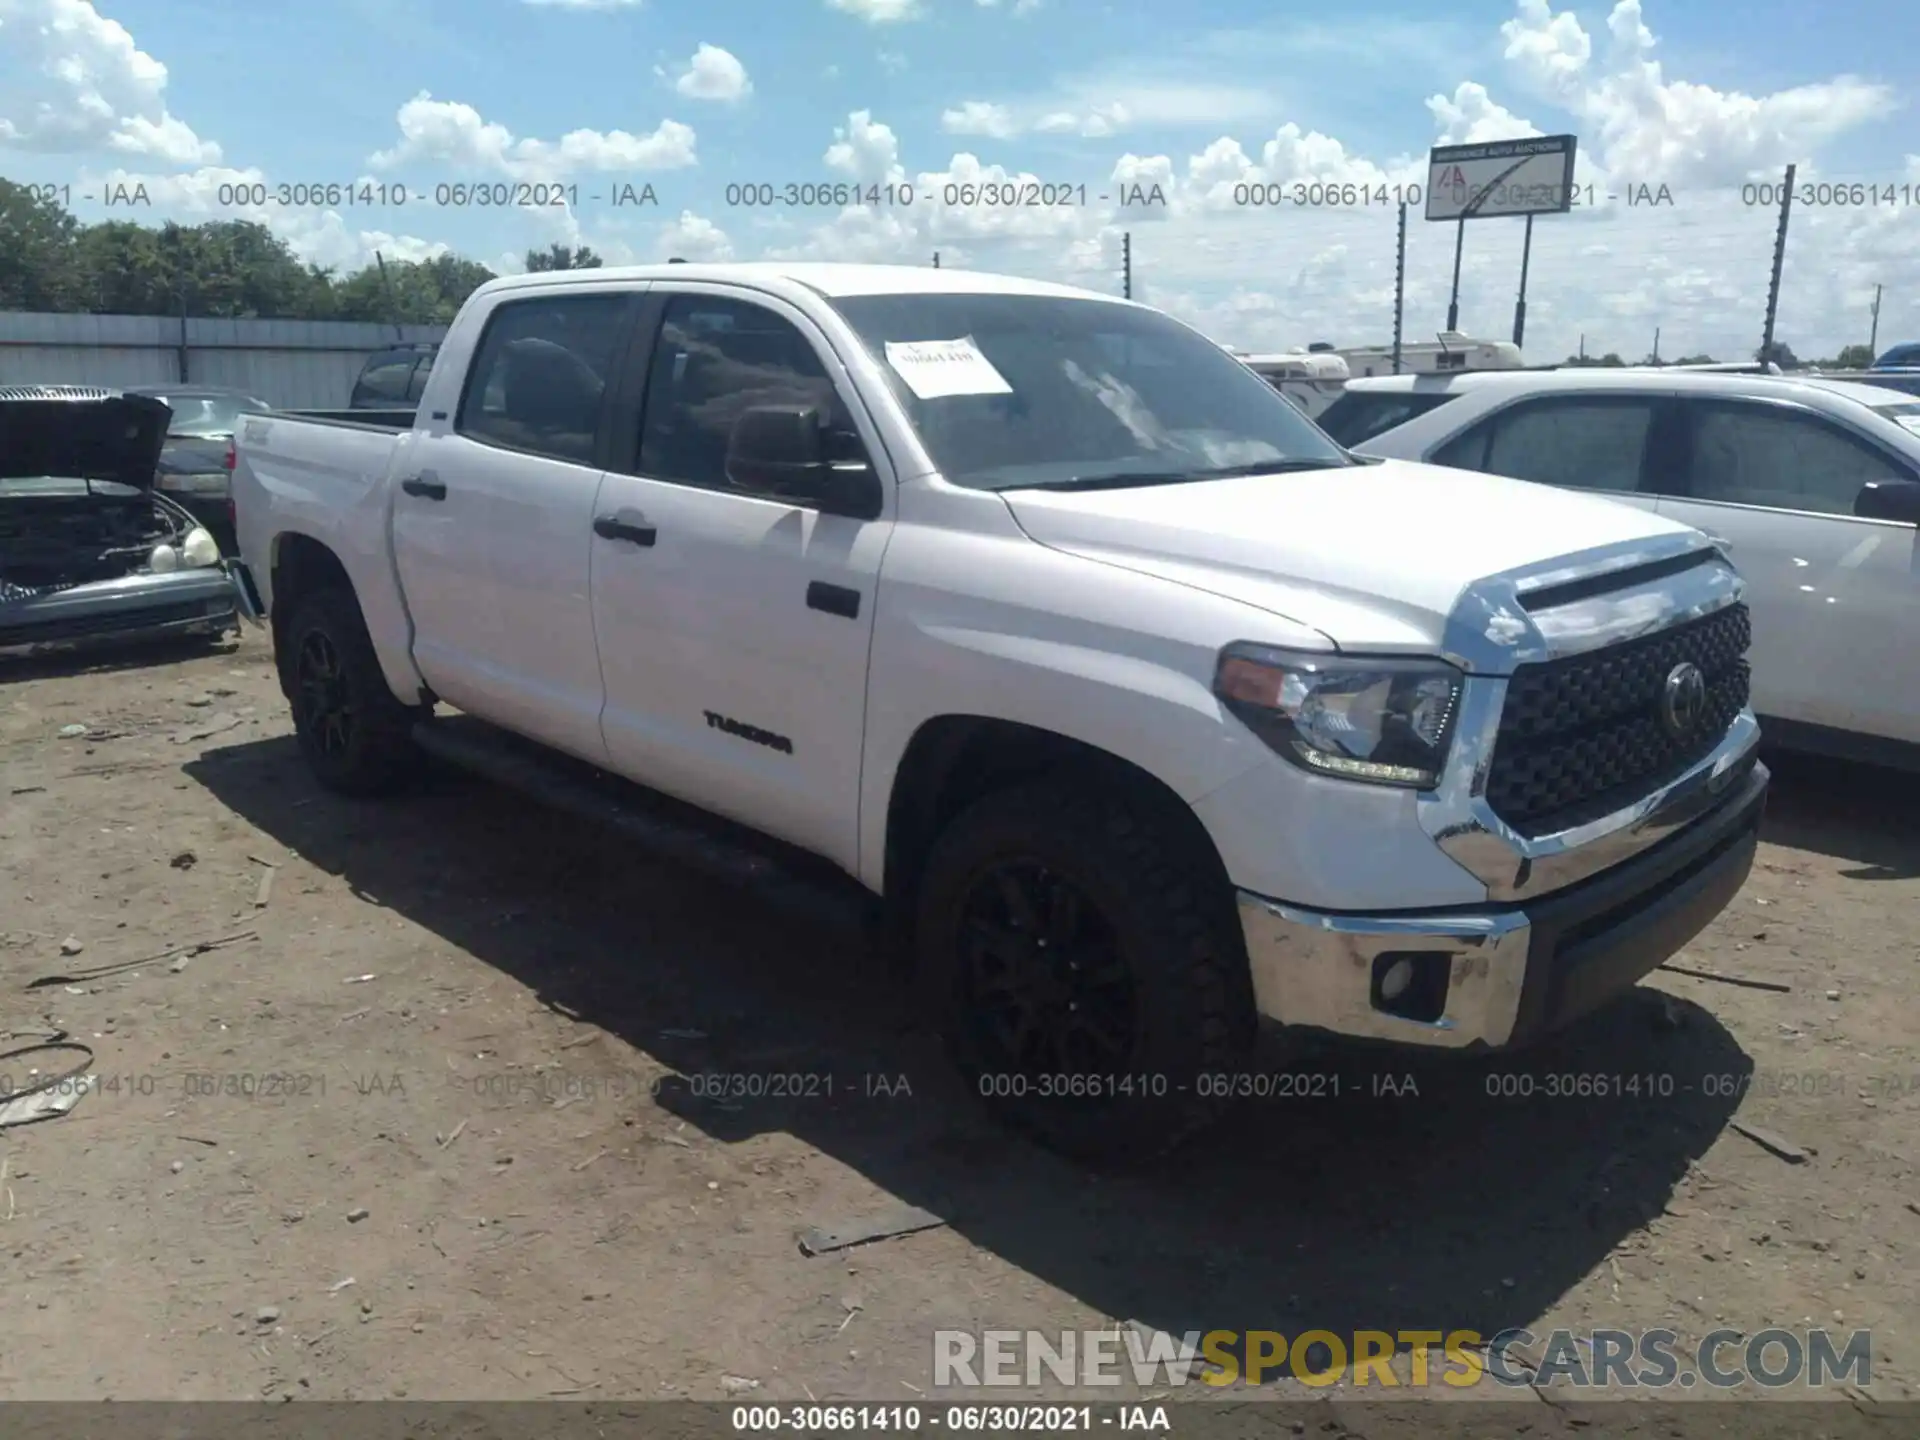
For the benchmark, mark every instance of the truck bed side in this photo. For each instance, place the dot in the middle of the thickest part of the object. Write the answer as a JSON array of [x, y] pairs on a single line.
[[331, 481]]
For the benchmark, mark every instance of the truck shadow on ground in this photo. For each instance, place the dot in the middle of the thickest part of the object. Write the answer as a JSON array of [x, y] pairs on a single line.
[[1422, 1195]]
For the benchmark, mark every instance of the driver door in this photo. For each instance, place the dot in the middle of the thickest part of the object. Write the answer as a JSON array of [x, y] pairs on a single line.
[[734, 627]]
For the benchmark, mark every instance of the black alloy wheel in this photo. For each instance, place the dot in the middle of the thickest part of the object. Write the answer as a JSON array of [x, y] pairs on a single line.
[[327, 712], [1044, 981]]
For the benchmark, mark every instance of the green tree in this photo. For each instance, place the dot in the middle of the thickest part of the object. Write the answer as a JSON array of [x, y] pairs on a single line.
[[1854, 357], [557, 257], [37, 238], [424, 293], [1779, 353]]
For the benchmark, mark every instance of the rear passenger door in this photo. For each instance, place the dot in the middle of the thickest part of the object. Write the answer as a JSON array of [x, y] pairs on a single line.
[[493, 518], [1616, 446], [1835, 599], [735, 625]]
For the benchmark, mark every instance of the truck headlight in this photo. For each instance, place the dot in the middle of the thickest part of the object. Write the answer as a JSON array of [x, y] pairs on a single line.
[[199, 549], [1388, 722]]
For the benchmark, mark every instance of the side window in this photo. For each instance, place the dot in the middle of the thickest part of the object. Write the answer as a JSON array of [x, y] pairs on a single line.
[[1359, 415], [1782, 459], [541, 372], [1581, 443], [715, 359], [1466, 451], [383, 383]]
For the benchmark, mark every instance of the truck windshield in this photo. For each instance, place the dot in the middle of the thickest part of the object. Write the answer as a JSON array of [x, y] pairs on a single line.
[[1016, 391]]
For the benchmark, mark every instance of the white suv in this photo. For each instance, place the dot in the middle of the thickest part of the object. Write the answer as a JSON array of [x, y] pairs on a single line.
[[1812, 485]]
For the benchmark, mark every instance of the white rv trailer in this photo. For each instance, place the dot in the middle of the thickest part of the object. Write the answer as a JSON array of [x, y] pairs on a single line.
[[1448, 352], [1311, 379]]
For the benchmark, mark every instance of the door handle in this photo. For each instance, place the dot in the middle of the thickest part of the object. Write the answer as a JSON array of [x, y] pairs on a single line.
[[427, 485], [833, 599], [611, 527]]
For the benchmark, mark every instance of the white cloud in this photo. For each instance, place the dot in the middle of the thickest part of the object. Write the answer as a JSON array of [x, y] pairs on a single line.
[[95, 89], [879, 12], [980, 117], [714, 74], [993, 121], [446, 132], [1645, 127], [866, 150], [1019, 7], [1274, 276], [693, 237]]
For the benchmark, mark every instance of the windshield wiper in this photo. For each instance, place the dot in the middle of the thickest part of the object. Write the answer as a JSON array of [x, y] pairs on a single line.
[[1139, 479]]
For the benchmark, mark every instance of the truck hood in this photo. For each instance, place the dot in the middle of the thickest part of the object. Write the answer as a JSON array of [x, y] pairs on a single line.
[[81, 434], [1373, 556]]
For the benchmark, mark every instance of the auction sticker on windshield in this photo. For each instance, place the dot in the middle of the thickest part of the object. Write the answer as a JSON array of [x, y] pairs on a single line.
[[937, 369]]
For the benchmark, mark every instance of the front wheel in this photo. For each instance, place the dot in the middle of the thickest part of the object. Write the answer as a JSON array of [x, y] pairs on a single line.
[[356, 736], [1087, 974]]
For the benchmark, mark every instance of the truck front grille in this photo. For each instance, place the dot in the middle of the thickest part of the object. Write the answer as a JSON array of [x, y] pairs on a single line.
[[1585, 736]]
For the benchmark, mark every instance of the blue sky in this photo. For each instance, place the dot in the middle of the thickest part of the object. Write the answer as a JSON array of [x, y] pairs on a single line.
[[1200, 98]]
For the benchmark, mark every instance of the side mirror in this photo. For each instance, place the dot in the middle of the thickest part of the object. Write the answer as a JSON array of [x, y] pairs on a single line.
[[1896, 500], [781, 450]]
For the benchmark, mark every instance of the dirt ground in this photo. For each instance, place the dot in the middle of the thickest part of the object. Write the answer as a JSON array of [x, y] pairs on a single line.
[[438, 1122]]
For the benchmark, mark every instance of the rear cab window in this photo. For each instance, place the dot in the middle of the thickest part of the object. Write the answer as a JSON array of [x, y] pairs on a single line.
[[383, 383]]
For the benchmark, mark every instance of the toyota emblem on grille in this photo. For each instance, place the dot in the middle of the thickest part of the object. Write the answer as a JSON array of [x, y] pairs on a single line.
[[1683, 700]]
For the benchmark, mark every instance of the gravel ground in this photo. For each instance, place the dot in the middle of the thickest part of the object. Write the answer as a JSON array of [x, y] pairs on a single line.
[[434, 1113]]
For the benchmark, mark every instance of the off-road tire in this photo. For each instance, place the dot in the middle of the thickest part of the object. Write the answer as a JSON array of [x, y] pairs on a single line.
[[373, 752], [1193, 1013]]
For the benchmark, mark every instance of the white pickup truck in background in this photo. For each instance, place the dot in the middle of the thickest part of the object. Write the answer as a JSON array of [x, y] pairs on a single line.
[[1141, 710]]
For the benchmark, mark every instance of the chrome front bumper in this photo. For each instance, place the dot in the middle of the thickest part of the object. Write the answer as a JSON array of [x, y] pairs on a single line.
[[1571, 918], [1518, 970]]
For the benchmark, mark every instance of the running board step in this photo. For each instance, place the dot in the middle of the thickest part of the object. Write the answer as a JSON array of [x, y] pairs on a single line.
[[675, 832]]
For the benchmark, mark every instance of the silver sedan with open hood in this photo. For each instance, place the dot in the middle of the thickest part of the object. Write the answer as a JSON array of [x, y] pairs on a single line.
[[89, 552]]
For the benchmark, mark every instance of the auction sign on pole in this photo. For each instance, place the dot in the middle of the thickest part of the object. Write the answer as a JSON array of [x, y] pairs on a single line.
[[1526, 177]]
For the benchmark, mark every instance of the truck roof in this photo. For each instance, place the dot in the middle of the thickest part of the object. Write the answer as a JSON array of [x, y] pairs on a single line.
[[830, 280]]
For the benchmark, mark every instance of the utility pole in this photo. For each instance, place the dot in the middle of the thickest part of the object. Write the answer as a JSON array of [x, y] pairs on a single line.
[[1520, 305], [936, 259], [1126, 265], [1779, 259], [1656, 344], [1399, 286], [1453, 304], [1873, 335]]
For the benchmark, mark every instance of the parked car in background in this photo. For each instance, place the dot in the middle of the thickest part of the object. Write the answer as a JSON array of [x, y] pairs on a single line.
[[1812, 485], [394, 378], [196, 463], [89, 549], [1135, 707]]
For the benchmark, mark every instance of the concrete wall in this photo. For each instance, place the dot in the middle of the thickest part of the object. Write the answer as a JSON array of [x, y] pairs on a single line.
[[291, 364]]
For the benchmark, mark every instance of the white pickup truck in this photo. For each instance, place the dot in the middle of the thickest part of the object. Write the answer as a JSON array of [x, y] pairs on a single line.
[[1141, 711]]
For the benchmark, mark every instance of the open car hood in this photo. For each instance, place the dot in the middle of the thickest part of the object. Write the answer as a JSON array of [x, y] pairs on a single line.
[[79, 433]]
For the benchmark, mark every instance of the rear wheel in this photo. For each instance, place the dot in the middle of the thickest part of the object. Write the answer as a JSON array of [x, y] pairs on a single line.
[[356, 736], [1087, 975]]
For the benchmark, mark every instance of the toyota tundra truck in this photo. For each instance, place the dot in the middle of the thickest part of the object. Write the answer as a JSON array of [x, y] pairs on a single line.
[[1139, 711]]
